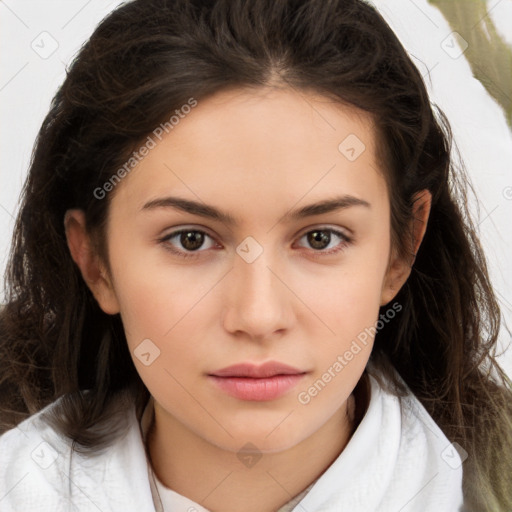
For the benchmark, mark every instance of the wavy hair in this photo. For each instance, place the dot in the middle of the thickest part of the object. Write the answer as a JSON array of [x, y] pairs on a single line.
[[146, 59]]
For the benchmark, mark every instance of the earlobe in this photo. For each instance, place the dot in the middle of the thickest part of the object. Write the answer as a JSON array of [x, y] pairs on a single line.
[[92, 269], [396, 275], [399, 268]]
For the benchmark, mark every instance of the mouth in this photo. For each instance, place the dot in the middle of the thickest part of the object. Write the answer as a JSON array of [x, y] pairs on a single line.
[[252, 382]]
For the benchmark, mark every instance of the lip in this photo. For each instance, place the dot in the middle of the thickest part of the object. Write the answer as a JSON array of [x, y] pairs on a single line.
[[269, 369], [248, 381]]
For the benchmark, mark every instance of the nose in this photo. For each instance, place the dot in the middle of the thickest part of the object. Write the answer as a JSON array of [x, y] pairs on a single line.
[[258, 302]]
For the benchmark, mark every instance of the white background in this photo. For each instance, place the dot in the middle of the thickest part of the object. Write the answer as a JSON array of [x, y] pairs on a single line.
[[32, 29]]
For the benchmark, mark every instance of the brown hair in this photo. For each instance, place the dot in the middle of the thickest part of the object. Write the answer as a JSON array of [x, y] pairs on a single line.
[[146, 59]]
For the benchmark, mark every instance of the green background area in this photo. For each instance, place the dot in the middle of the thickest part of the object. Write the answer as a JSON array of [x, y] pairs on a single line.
[[488, 54]]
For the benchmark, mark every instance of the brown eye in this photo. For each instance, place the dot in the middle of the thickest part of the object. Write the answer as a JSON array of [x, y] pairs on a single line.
[[191, 240], [326, 238], [319, 239], [187, 242]]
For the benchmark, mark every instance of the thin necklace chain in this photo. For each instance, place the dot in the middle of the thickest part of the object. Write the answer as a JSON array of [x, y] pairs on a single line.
[[159, 505]]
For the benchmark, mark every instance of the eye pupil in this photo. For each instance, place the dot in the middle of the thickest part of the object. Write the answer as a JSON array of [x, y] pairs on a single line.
[[317, 239], [191, 240]]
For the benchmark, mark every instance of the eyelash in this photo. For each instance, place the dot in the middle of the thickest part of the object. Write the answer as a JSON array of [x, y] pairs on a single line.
[[346, 241]]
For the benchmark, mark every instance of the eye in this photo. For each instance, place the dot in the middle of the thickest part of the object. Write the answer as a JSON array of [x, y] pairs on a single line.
[[191, 240], [321, 239]]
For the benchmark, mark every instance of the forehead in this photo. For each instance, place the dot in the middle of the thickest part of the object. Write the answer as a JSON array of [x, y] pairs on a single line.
[[259, 148]]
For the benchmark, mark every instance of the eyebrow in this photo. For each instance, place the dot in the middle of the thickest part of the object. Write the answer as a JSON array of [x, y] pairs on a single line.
[[208, 211]]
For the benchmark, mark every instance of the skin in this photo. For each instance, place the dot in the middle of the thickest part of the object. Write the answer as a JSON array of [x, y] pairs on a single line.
[[257, 155]]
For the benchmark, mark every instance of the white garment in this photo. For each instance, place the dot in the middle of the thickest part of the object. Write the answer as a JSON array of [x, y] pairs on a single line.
[[398, 459]]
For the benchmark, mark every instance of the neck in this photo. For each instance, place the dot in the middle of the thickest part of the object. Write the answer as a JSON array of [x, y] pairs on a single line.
[[215, 479]]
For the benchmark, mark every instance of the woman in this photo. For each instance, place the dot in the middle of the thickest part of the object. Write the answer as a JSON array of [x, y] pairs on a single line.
[[242, 278]]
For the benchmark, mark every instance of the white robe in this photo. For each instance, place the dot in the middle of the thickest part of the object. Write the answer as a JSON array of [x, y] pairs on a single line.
[[398, 460]]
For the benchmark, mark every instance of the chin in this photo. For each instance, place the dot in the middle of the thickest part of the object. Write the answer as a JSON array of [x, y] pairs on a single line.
[[261, 440]]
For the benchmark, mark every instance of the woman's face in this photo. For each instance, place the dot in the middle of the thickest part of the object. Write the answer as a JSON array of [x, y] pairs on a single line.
[[286, 261]]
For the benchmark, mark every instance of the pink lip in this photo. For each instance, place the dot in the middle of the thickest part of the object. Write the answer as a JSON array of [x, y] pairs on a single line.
[[269, 369], [247, 381]]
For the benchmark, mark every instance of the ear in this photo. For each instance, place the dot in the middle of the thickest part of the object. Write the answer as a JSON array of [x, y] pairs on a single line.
[[399, 268], [93, 270]]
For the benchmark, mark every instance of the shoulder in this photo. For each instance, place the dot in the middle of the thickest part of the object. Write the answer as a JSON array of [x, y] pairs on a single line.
[[32, 456], [428, 466], [395, 460], [40, 470]]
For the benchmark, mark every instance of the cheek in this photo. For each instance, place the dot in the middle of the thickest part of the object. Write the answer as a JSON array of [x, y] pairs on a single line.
[[349, 306], [160, 310], [153, 296], [350, 310], [347, 298]]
